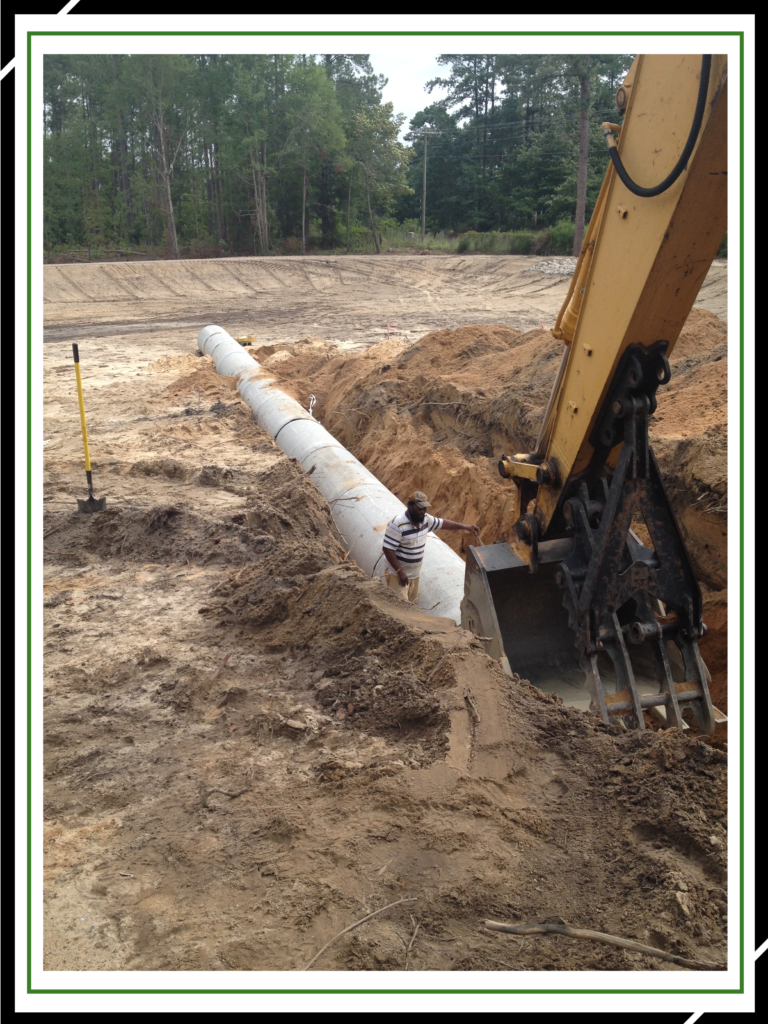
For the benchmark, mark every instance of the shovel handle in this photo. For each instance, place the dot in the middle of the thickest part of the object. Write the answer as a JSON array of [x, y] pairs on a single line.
[[83, 427]]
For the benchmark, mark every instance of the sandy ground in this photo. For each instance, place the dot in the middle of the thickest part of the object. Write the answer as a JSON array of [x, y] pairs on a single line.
[[249, 746], [342, 298]]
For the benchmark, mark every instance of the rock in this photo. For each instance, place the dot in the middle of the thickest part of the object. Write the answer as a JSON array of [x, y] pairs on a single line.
[[682, 899], [292, 723]]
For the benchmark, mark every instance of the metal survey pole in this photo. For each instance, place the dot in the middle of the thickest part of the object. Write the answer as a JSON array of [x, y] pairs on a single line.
[[424, 192]]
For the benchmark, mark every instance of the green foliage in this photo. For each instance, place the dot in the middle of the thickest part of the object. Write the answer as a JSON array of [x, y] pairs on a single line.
[[554, 241], [722, 252], [560, 240], [207, 154], [213, 154], [522, 243], [506, 156]]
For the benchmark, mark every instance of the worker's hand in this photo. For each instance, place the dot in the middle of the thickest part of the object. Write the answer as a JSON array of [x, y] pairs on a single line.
[[402, 575], [472, 528]]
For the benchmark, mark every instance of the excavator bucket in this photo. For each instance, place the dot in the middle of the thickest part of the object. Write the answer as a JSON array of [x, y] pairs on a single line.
[[524, 624], [521, 618]]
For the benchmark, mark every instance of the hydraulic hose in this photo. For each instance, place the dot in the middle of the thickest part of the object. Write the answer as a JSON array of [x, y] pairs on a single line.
[[674, 174]]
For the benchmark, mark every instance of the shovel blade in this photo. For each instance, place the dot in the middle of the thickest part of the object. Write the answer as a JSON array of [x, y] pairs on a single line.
[[91, 504]]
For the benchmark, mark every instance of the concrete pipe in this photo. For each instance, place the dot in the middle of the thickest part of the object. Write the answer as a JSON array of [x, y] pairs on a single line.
[[360, 504]]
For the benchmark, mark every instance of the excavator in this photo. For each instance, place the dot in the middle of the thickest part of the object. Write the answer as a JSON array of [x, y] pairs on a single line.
[[596, 589]]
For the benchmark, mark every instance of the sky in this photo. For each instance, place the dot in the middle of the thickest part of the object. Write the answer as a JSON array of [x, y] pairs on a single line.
[[408, 74]]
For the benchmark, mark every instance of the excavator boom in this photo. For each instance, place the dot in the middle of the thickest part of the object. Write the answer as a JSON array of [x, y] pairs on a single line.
[[575, 595]]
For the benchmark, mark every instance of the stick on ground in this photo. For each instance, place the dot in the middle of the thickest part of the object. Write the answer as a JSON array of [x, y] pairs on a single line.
[[409, 899], [440, 662], [222, 663], [413, 938], [205, 793], [611, 940]]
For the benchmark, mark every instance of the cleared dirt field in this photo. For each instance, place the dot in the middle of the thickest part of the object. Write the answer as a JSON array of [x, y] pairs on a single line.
[[248, 745], [343, 298]]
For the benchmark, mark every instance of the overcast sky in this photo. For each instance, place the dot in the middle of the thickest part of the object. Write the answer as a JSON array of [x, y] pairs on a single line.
[[408, 73]]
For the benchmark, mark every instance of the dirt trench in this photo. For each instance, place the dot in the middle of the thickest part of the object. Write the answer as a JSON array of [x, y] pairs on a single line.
[[436, 415], [249, 745]]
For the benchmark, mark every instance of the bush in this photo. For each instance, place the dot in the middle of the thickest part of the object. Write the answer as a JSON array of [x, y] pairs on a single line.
[[291, 246], [722, 252], [361, 239], [472, 237], [553, 241], [521, 243], [561, 238]]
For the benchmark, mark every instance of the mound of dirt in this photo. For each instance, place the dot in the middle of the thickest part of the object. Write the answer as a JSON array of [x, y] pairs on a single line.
[[438, 414], [468, 395]]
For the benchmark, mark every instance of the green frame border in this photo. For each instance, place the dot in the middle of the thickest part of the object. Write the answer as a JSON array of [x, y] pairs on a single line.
[[378, 991]]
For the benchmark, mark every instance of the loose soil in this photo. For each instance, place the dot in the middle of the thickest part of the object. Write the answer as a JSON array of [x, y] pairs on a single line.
[[436, 416], [206, 636]]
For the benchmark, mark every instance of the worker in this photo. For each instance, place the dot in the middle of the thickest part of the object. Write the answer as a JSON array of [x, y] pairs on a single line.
[[404, 541]]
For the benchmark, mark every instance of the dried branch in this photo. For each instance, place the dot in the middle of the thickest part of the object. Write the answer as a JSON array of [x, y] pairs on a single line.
[[205, 793], [440, 662], [611, 940], [413, 937], [409, 899]]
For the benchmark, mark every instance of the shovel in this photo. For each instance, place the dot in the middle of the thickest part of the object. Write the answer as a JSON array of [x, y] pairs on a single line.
[[92, 504]]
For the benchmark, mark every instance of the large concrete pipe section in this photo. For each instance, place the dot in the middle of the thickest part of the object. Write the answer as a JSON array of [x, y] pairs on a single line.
[[361, 506]]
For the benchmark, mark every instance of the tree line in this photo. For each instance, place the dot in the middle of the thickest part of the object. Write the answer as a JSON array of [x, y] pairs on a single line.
[[202, 155], [515, 144]]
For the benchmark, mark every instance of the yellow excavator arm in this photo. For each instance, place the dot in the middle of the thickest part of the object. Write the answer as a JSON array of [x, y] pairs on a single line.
[[657, 224], [643, 260]]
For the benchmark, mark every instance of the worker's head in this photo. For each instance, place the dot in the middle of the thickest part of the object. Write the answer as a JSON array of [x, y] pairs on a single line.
[[418, 503]]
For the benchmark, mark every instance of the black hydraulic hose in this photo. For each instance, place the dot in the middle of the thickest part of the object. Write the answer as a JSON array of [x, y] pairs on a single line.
[[674, 174]]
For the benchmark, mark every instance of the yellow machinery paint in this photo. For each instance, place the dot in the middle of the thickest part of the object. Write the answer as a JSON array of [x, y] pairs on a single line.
[[649, 257]]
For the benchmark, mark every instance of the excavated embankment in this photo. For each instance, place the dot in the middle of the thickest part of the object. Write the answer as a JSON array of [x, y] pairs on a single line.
[[436, 415]]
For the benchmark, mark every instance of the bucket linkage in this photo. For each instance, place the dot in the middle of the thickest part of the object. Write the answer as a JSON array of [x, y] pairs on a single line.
[[611, 581], [624, 602]]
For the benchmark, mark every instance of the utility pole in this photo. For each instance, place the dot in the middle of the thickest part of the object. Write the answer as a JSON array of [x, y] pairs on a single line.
[[425, 135]]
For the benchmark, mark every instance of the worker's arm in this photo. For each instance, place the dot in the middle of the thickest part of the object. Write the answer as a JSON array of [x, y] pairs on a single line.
[[448, 524], [392, 558]]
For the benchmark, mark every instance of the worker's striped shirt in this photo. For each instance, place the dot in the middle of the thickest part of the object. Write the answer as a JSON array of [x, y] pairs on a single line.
[[407, 540]]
